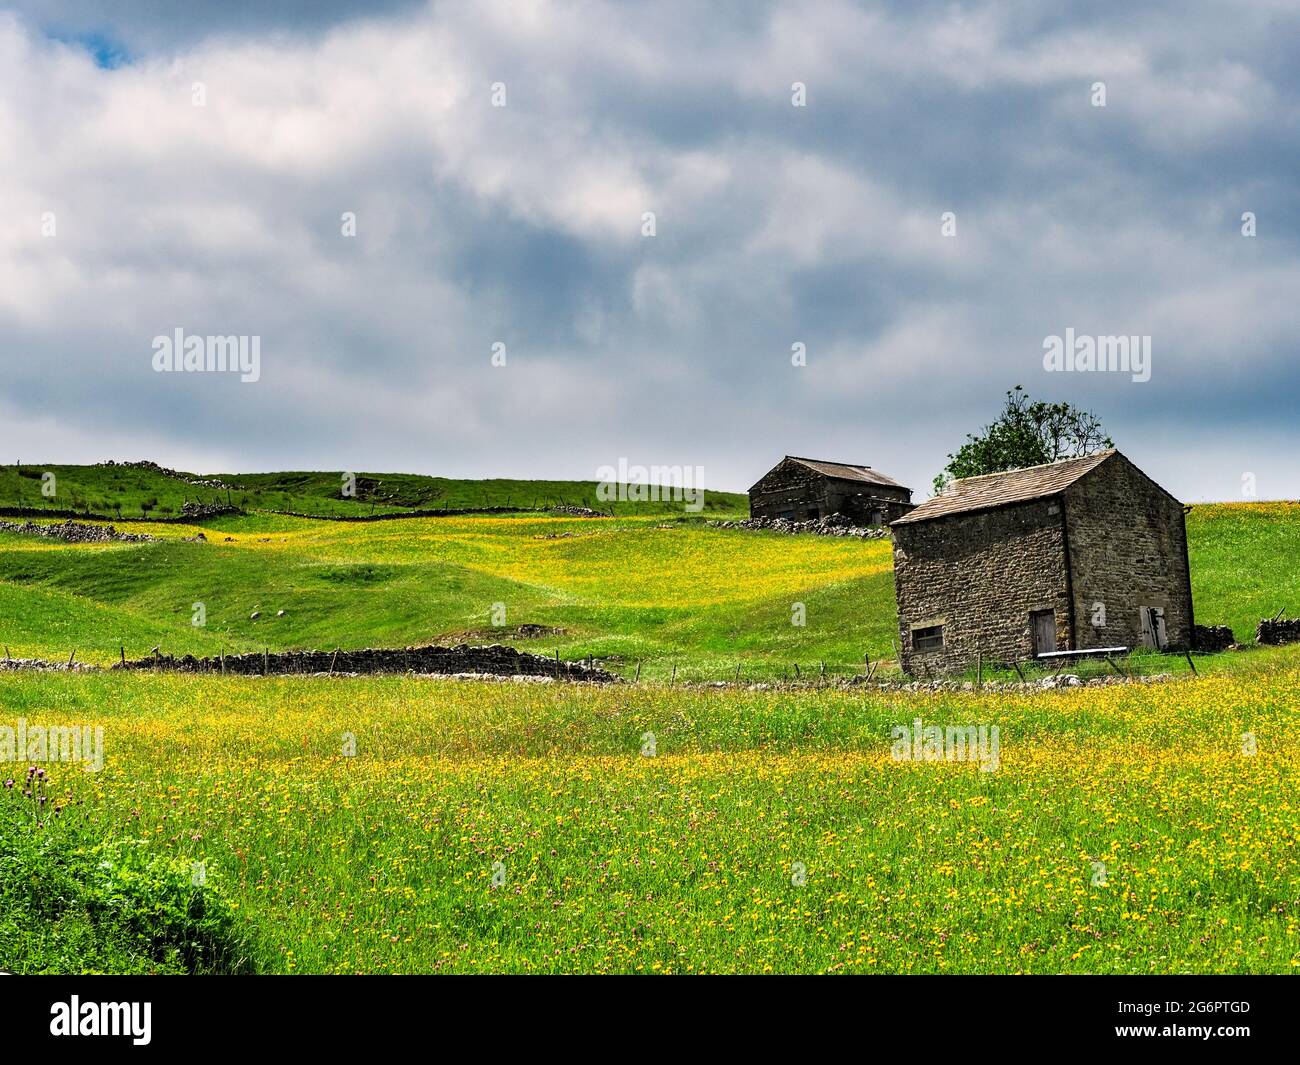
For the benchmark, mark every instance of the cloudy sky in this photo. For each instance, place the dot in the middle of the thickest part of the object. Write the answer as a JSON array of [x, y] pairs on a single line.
[[169, 167]]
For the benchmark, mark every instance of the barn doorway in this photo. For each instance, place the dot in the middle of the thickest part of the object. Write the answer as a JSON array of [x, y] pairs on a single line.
[[1153, 627], [1042, 627]]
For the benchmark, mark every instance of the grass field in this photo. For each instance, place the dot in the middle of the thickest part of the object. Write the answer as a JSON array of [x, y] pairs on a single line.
[[605, 858], [610, 860]]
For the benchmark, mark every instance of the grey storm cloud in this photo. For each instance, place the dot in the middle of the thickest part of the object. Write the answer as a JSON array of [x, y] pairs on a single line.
[[522, 225]]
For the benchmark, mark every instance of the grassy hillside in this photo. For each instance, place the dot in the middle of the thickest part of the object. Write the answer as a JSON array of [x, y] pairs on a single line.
[[133, 493], [621, 589], [676, 594], [1244, 563]]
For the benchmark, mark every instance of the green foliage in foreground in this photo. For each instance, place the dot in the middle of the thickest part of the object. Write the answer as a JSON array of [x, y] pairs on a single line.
[[72, 904]]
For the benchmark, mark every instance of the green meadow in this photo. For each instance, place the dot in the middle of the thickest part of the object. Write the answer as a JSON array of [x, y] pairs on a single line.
[[399, 824]]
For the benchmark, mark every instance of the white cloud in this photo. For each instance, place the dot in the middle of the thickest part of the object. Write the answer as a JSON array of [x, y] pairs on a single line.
[[522, 224]]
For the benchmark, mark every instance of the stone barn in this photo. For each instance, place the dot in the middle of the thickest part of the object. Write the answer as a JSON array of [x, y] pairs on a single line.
[[805, 489], [1087, 552]]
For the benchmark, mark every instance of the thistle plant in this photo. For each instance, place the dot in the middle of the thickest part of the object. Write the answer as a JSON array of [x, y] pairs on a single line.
[[29, 798]]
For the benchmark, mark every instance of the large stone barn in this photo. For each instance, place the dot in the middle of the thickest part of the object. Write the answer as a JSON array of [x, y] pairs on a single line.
[[1083, 553], [804, 489]]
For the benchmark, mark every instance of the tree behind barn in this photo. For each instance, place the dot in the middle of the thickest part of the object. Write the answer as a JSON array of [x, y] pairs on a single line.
[[1026, 433]]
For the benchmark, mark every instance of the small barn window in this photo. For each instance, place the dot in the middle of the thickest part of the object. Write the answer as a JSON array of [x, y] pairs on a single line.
[[929, 638]]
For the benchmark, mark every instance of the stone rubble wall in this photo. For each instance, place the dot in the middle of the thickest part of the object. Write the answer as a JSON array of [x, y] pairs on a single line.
[[1275, 632], [175, 475], [495, 660], [191, 511], [577, 512], [42, 666], [831, 525], [76, 532], [1212, 638]]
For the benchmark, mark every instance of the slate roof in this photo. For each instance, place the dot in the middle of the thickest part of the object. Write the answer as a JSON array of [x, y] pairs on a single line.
[[992, 490], [843, 472]]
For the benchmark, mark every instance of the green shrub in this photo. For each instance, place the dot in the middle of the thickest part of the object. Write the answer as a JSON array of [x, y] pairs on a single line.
[[72, 904]]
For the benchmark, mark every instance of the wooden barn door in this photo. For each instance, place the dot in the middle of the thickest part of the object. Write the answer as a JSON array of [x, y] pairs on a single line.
[[1153, 627], [1042, 624]]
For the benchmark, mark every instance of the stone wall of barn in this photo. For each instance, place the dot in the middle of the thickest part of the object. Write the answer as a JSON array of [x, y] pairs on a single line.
[[980, 575], [790, 490], [1128, 549], [795, 491]]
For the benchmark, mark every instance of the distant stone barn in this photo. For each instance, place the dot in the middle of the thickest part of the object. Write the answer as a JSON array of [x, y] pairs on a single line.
[[1083, 553], [804, 489]]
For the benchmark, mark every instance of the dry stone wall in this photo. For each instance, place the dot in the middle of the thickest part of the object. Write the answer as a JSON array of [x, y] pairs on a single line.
[[75, 532], [1280, 631], [494, 659], [1213, 638], [832, 525]]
